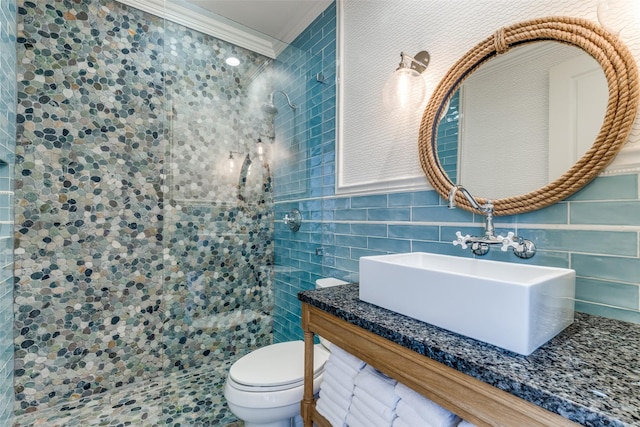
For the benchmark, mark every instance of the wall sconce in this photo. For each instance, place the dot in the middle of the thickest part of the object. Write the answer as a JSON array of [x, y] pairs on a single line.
[[260, 149], [405, 88], [233, 168], [230, 164]]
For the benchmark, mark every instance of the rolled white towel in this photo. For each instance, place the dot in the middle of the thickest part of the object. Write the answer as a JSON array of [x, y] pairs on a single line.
[[341, 403], [379, 385], [347, 358], [327, 410], [336, 389], [432, 416], [373, 404], [399, 422], [465, 423], [362, 412], [343, 373], [352, 421]]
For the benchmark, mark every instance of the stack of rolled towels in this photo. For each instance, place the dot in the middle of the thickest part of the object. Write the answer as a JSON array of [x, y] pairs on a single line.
[[374, 400], [353, 394], [416, 410], [338, 382]]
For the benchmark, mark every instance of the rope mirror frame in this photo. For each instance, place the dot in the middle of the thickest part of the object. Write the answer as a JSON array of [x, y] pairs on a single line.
[[619, 68]]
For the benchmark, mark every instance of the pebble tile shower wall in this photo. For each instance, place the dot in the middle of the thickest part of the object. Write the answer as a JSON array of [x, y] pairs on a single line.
[[136, 267]]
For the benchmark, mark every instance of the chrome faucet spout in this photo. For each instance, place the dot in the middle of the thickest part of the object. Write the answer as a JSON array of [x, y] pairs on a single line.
[[452, 196], [466, 194]]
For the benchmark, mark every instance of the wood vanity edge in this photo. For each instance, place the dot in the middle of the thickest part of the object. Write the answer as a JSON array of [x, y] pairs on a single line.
[[471, 399]]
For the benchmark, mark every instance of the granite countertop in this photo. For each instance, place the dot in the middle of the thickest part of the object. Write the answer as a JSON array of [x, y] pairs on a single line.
[[589, 373]]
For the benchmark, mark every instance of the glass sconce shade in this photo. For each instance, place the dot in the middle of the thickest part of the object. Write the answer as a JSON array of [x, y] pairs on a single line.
[[404, 90], [230, 166]]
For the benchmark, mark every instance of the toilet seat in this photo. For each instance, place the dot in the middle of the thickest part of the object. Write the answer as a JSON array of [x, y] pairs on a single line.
[[275, 367]]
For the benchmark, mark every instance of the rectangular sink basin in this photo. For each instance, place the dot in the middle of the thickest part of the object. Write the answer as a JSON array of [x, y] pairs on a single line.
[[513, 306]]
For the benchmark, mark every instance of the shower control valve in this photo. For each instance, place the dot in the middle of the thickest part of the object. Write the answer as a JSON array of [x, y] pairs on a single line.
[[293, 219]]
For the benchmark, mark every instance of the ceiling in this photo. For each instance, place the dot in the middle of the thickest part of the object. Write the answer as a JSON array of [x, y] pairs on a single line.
[[283, 20], [263, 26]]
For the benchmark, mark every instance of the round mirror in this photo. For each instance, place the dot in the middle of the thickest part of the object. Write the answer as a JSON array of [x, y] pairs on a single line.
[[540, 105], [503, 122]]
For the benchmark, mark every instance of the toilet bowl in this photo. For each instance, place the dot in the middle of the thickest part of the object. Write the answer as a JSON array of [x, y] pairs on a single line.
[[264, 388]]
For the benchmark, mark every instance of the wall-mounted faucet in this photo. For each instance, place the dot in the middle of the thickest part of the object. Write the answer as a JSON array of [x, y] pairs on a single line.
[[480, 245]]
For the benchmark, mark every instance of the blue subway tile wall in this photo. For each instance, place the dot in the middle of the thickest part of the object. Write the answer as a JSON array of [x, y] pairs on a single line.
[[595, 231], [448, 138], [7, 149], [305, 172]]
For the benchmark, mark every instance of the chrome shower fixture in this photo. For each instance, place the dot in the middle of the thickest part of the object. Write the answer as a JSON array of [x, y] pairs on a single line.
[[270, 108]]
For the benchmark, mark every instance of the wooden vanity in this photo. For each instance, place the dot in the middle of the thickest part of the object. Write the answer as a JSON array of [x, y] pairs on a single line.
[[587, 375], [471, 399]]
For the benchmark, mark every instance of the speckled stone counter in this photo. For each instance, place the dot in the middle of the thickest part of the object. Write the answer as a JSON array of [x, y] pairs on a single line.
[[589, 373]]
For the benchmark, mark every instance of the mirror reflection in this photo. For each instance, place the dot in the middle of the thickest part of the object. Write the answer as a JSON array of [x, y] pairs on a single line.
[[522, 119]]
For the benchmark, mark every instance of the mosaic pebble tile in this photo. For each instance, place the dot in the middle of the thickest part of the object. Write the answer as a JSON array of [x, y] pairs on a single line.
[[191, 399], [134, 258]]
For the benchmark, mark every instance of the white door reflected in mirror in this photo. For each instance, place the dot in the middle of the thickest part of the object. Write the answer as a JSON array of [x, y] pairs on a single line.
[[578, 95]]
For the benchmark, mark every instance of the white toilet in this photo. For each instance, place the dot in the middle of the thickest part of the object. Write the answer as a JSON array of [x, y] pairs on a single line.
[[265, 387]]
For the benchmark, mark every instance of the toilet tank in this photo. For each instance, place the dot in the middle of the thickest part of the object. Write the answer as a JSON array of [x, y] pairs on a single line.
[[327, 282]]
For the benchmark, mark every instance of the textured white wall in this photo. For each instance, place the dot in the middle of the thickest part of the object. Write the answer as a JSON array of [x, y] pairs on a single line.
[[377, 151]]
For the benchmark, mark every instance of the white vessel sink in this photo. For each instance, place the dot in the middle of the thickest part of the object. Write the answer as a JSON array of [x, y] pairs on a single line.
[[513, 306]]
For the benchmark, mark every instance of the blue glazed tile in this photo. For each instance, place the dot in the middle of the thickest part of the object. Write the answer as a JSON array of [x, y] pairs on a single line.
[[328, 239], [400, 199], [375, 201], [342, 252], [358, 253], [607, 311], [426, 198], [328, 260], [606, 267], [441, 248], [390, 245], [609, 293], [543, 258], [602, 242], [389, 214], [347, 264], [351, 214], [617, 187], [605, 213], [554, 214], [342, 228], [328, 184], [440, 214], [417, 232], [378, 230], [336, 203], [351, 241]]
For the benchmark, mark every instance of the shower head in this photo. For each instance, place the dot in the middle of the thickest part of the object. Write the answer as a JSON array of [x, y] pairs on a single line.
[[270, 108]]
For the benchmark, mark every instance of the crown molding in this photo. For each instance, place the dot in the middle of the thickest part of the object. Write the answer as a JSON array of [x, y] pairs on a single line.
[[211, 24], [312, 13]]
